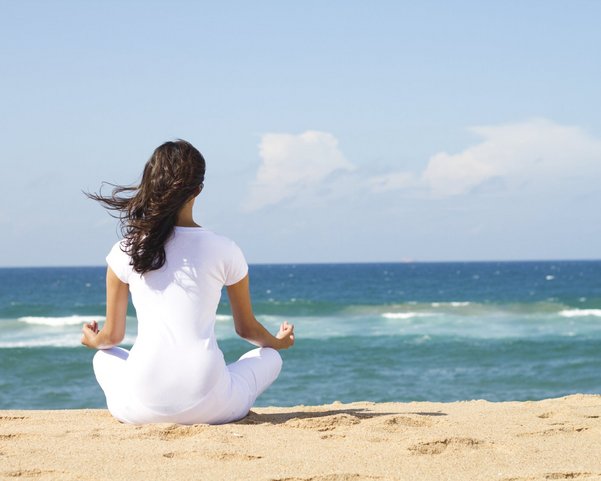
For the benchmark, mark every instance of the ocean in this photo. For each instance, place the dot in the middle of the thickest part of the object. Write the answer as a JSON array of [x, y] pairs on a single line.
[[378, 332]]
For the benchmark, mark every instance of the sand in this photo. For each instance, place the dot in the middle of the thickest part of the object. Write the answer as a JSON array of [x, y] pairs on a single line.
[[473, 440]]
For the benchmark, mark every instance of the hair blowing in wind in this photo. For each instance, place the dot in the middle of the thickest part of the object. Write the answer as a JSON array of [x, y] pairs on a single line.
[[148, 212]]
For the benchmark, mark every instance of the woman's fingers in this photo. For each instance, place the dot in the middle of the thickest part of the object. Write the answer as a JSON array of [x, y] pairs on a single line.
[[89, 330], [286, 333], [92, 326], [85, 334]]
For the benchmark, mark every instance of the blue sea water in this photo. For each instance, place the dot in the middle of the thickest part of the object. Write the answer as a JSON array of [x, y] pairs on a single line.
[[379, 332]]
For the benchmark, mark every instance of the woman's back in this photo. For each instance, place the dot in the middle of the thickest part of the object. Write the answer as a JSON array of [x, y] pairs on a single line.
[[176, 351]]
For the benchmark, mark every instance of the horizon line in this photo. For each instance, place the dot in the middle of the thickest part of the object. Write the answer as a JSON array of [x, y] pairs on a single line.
[[311, 263]]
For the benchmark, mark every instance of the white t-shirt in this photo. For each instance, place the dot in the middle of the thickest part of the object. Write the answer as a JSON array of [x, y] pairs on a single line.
[[175, 361]]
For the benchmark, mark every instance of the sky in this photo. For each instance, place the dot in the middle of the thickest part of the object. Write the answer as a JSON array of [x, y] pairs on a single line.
[[339, 131]]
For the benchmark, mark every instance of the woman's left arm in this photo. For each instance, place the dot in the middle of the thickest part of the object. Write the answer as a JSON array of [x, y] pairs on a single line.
[[113, 331]]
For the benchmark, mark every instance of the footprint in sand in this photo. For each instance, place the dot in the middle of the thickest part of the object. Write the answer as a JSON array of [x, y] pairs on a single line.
[[332, 477], [173, 431], [323, 423], [233, 457], [332, 436], [397, 423], [570, 475], [219, 456], [438, 447], [183, 454], [28, 473], [553, 431], [550, 476]]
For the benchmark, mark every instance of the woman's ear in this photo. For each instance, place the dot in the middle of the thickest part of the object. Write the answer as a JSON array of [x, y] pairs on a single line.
[[198, 190]]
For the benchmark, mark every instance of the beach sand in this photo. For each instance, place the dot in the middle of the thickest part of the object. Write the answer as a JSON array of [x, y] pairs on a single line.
[[472, 440]]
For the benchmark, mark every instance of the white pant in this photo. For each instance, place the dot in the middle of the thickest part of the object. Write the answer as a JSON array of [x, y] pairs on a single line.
[[242, 383]]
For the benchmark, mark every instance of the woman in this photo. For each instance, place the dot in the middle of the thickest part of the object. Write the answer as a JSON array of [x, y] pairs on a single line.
[[175, 270]]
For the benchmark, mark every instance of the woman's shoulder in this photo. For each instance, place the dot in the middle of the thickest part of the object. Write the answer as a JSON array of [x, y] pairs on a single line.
[[120, 245], [208, 236], [220, 239], [119, 260]]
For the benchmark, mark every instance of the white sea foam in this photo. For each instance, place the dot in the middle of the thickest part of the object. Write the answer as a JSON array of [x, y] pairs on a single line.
[[580, 313], [223, 317], [404, 315], [68, 340], [59, 321], [452, 304], [40, 343]]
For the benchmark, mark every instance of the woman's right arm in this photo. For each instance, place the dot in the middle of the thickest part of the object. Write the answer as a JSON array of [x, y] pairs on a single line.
[[248, 327], [113, 331]]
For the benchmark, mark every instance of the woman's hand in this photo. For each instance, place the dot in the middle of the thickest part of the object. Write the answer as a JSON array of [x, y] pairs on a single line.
[[89, 334], [286, 335]]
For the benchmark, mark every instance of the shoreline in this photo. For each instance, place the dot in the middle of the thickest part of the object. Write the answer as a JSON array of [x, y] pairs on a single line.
[[556, 438]]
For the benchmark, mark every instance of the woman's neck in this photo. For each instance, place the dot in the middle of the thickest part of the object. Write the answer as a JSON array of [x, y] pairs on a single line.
[[185, 217]]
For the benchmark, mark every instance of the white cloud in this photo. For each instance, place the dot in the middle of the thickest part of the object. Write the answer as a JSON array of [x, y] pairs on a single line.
[[537, 154], [291, 164], [534, 151]]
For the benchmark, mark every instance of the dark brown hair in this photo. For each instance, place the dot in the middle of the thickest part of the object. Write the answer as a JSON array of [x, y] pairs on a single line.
[[148, 212]]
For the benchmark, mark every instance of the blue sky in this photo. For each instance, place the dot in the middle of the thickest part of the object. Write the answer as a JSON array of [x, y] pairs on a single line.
[[333, 131]]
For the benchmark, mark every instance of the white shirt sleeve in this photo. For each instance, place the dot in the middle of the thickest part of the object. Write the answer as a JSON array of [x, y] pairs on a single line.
[[237, 268], [119, 261]]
